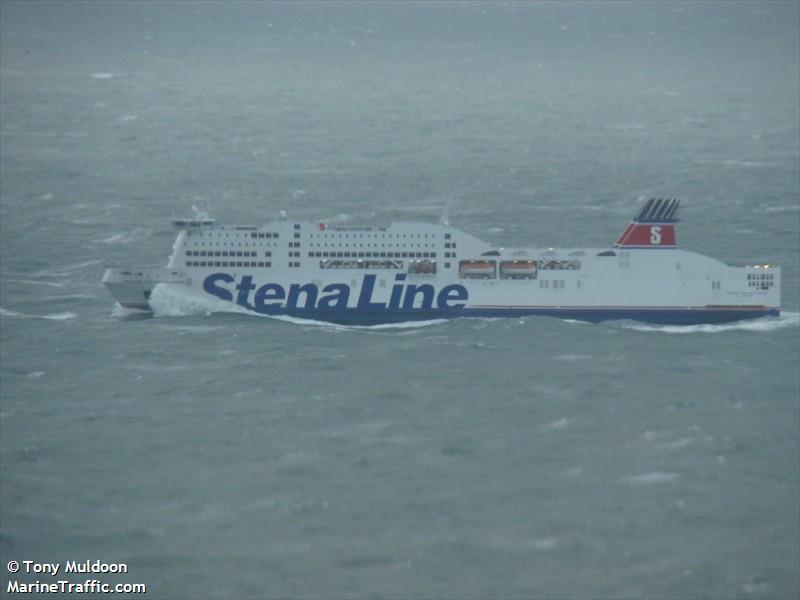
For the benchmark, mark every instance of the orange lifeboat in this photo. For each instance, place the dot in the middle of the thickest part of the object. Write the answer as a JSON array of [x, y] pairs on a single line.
[[477, 269], [518, 269]]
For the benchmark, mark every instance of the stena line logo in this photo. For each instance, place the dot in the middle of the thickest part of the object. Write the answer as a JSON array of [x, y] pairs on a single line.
[[272, 297], [655, 235]]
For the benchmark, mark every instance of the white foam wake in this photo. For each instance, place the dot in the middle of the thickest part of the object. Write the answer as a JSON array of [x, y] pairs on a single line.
[[787, 319], [168, 300], [121, 312]]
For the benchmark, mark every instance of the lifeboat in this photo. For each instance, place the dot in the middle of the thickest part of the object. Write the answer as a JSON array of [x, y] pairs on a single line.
[[518, 269], [477, 269]]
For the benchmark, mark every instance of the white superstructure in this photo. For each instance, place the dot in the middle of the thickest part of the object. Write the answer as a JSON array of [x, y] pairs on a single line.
[[416, 271]]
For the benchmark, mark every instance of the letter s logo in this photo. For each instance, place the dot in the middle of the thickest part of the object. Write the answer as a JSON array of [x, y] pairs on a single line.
[[655, 235]]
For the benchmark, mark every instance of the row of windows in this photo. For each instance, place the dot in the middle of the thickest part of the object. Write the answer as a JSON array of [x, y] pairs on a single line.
[[761, 284], [762, 281], [211, 234], [572, 265], [355, 245], [376, 236], [361, 264], [557, 283], [221, 253], [227, 235], [267, 235], [372, 254], [224, 263], [234, 244]]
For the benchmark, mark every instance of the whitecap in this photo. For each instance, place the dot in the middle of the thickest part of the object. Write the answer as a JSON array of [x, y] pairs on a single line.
[[67, 269], [650, 478], [780, 209], [128, 118], [113, 239], [545, 544], [558, 424], [571, 357], [732, 162], [32, 282], [102, 75], [125, 237], [64, 316], [680, 443], [121, 312]]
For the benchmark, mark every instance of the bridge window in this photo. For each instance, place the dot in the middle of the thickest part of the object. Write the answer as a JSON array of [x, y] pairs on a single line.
[[360, 264]]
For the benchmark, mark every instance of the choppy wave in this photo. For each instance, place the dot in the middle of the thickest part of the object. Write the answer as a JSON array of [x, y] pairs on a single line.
[[787, 319], [12, 314], [121, 312], [67, 270], [735, 162], [650, 478], [780, 209], [32, 282], [126, 237]]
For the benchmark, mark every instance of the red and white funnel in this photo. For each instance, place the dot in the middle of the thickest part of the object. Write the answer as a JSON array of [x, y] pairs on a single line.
[[652, 227]]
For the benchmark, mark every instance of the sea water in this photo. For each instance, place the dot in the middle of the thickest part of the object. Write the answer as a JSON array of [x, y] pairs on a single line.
[[222, 454]]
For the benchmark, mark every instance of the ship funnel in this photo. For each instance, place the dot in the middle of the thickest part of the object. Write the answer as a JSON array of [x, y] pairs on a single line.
[[653, 226]]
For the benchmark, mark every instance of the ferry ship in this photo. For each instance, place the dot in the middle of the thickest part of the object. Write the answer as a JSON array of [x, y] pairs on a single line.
[[423, 271]]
